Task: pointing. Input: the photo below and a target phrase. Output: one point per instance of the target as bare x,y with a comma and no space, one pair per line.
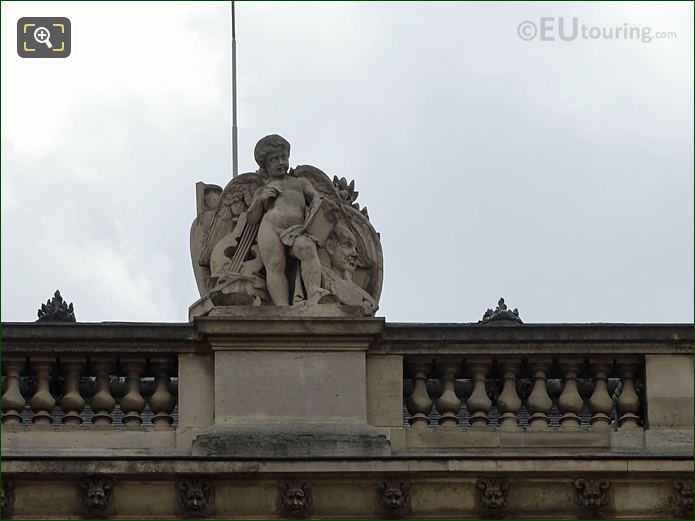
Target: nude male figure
282,207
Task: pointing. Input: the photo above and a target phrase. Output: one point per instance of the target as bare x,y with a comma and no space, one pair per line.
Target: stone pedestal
290,387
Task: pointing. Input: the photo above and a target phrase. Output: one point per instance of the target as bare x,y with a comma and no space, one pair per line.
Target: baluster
132,404
448,404
162,401
539,403
479,403
600,402
72,402
42,403
419,403
12,401
628,405
102,403
570,403
509,403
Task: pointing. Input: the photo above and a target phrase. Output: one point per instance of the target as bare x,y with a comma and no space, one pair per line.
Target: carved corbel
491,496
195,496
295,497
394,497
592,496
97,492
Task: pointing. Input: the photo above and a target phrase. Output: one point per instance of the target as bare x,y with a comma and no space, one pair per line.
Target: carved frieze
96,495
294,497
591,495
491,496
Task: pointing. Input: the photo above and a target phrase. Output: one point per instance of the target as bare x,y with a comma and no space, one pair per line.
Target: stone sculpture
195,496
56,310
394,495
96,495
491,496
295,497
592,496
290,239
501,316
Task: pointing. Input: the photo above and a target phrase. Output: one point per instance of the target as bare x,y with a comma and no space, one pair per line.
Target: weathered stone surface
292,440
281,237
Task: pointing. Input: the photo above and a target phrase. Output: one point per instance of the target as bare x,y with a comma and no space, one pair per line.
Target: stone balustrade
515,394
86,391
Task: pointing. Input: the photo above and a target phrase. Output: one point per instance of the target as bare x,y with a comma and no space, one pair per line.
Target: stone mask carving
682,501
491,495
7,497
592,495
394,497
295,497
282,237
96,494
195,496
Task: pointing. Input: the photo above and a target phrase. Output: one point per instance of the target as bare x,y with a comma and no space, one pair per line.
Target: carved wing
235,199
320,181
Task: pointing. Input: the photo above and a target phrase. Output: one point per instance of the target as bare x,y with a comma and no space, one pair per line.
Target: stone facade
346,417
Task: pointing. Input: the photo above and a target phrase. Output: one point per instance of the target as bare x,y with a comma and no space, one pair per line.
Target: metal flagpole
235,160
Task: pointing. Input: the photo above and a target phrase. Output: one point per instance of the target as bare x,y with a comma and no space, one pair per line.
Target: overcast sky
558,174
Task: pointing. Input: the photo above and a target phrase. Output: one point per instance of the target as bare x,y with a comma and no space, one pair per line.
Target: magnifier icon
43,35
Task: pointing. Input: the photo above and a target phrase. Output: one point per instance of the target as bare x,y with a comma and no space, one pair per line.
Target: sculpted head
295,497
96,494
342,247
492,495
395,497
211,197
272,153
592,493
195,496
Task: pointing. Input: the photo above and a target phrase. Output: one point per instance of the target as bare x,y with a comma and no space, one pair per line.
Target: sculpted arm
257,208
310,195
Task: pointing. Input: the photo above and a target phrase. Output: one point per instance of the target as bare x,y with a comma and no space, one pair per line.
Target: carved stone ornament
56,310
295,497
592,496
7,497
195,496
491,496
96,495
394,496
682,500
288,240
501,315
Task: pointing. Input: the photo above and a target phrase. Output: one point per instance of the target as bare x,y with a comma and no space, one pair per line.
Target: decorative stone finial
501,315
56,310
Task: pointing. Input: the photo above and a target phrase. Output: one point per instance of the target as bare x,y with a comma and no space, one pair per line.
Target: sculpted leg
273,256
304,249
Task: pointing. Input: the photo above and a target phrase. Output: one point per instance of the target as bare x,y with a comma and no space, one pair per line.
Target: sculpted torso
288,207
